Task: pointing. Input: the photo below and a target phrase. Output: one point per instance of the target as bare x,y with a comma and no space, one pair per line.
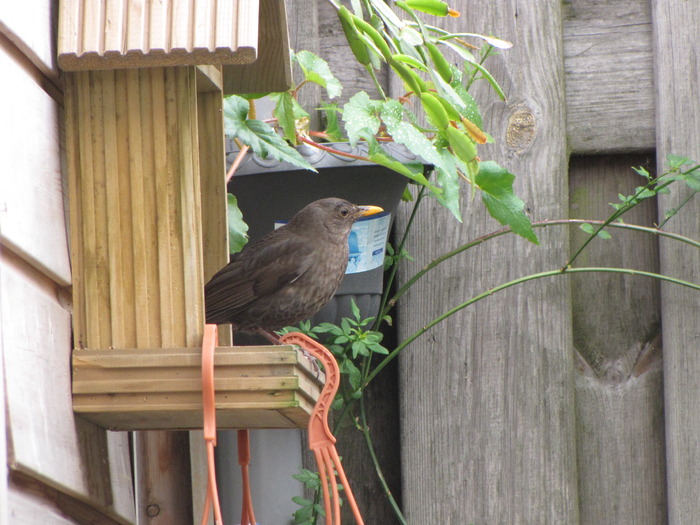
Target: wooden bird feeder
144,87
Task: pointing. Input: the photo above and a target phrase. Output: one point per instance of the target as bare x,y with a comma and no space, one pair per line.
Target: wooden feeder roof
248,37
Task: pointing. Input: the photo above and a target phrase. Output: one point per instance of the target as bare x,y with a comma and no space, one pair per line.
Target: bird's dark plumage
289,274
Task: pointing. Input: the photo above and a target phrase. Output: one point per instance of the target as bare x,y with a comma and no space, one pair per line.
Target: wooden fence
551,402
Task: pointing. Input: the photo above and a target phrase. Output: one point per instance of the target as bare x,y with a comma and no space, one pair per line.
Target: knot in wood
152,510
521,129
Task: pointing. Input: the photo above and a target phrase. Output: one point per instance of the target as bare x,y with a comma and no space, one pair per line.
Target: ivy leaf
496,184
237,228
316,70
261,138
360,117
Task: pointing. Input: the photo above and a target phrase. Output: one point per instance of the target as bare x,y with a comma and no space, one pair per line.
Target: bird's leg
272,337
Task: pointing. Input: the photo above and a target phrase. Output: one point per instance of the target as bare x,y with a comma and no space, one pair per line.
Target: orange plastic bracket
321,440
247,513
209,410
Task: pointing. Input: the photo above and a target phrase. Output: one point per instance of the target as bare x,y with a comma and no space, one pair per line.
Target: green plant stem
675,211
377,84
509,284
540,224
370,446
392,274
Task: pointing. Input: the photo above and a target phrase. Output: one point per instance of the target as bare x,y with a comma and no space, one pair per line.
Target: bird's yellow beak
369,210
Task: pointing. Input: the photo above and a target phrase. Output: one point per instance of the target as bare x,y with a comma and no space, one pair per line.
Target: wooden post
136,239
678,132
487,405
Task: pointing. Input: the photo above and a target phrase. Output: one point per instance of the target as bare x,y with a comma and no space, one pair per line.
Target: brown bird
289,274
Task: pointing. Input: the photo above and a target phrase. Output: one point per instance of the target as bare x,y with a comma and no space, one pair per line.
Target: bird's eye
344,212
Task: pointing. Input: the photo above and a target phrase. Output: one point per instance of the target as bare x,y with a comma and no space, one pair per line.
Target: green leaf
353,373
404,132
284,113
676,161
237,228
360,115
496,184
332,123
643,172
355,309
316,70
588,228
261,138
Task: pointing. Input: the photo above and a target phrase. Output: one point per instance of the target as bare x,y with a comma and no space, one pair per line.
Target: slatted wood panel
256,387
136,230
112,34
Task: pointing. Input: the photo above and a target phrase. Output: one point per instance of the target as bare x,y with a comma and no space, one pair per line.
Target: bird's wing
261,270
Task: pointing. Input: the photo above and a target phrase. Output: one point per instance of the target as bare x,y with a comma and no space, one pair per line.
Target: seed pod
410,77
474,131
442,66
413,62
435,111
376,37
432,7
452,113
358,47
461,145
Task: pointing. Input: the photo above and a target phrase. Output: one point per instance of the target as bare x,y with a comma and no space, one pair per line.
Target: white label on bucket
367,241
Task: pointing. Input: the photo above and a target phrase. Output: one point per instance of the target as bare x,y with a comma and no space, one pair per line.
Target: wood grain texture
677,69
487,404
159,388
76,457
272,70
32,217
333,47
616,321
609,70
114,34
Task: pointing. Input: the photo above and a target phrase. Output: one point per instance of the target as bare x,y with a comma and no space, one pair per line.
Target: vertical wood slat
677,70
135,181
117,33
495,442
619,392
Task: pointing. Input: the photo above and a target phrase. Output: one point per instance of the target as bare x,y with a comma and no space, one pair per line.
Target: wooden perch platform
161,388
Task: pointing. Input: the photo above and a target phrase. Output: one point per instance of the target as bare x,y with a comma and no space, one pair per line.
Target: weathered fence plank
32,219
609,75
487,404
677,70
46,441
616,322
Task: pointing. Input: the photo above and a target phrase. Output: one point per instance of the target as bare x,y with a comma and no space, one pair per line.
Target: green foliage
415,52
496,185
316,70
261,138
237,228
